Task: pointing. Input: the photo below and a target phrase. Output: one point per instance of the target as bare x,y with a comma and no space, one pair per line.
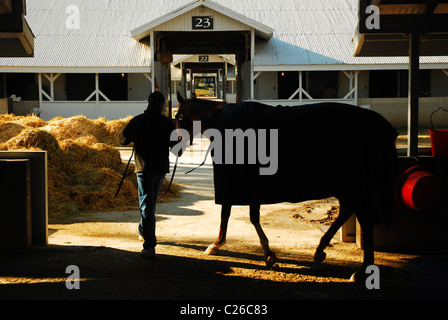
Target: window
383,83
114,86
288,83
424,83
323,84
23,85
394,83
79,86
318,84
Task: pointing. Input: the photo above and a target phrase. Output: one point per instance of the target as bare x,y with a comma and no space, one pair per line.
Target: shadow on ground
108,273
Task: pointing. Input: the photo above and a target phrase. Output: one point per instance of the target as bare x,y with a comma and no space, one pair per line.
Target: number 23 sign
202,22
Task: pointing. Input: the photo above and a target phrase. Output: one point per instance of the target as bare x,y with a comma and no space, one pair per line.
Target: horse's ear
180,98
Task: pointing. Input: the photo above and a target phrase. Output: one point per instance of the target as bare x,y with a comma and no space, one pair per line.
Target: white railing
110,110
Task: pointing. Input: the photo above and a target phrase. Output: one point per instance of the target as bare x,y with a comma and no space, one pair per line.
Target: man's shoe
148,253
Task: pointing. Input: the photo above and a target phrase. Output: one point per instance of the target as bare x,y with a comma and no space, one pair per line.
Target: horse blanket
325,149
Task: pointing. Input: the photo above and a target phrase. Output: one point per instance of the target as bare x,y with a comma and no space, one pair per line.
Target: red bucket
439,142
439,138
420,190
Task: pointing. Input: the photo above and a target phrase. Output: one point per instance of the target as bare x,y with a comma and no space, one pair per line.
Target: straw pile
84,167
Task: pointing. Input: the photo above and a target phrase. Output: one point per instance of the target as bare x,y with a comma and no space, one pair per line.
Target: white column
252,54
97,94
40,91
152,47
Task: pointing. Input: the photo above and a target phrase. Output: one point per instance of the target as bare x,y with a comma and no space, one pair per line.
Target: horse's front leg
269,256
225,214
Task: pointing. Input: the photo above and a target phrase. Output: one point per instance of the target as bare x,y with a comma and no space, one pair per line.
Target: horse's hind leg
270,257
369,259
344,213
225,214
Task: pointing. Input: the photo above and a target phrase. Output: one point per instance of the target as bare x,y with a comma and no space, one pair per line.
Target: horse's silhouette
323,150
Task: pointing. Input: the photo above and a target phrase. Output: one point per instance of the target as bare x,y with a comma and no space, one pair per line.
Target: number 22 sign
202,22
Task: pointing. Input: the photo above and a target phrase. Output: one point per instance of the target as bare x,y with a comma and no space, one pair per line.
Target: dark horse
322,150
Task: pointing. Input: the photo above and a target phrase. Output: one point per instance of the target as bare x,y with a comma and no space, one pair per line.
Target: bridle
179,122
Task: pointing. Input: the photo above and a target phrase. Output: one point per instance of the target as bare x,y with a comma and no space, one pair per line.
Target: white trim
103,95
49,69
48,96
90,97
345,67
147,76
144,30
257,68
111,110
352,91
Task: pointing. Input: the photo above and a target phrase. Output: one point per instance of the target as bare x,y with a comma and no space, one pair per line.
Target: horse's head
184,119
195,109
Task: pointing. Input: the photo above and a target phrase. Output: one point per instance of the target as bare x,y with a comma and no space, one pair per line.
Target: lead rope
127,167
124,173
206,154
172,176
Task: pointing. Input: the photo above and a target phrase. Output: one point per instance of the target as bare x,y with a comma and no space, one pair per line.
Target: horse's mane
201,105
203,102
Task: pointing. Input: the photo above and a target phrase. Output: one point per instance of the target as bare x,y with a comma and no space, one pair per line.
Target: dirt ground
105,248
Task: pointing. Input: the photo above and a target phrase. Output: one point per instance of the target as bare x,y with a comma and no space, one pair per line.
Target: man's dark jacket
150,132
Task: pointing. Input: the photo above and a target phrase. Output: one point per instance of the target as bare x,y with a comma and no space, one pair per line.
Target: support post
252,54
413,94
152,44
40,90
97,94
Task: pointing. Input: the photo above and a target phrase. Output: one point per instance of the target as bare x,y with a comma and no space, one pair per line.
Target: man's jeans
149,185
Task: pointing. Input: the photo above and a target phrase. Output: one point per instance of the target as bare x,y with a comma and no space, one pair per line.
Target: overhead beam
405,23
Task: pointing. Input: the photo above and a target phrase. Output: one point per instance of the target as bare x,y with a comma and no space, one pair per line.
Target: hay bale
115,127
94,154
32,121
71,128
33,139
7,117
84,168
100,130
9,130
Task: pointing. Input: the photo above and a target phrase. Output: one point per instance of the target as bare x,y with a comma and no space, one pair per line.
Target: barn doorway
203,29
212,65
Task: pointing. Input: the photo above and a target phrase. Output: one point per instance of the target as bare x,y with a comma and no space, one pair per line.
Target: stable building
102,58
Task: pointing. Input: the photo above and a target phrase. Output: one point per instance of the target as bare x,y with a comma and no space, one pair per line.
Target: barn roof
306,34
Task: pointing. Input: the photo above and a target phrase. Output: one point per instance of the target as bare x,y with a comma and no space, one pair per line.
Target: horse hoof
271,258
319,257
211,250
358,277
